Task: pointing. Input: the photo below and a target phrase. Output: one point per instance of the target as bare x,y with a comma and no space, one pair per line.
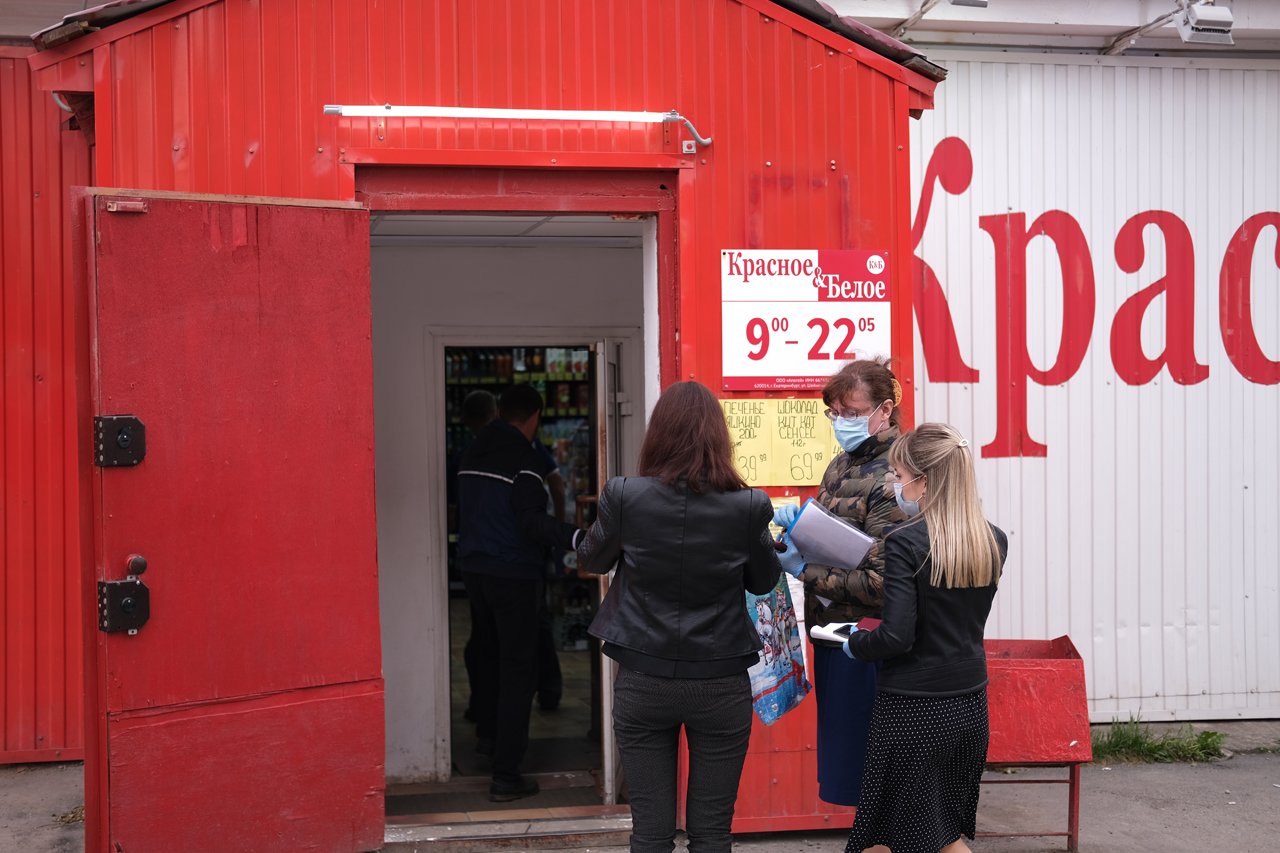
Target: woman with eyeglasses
928,741
862,403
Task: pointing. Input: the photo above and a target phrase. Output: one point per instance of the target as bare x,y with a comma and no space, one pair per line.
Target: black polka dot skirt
924,762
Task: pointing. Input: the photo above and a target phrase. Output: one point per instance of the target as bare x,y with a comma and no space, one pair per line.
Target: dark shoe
484,746
508,790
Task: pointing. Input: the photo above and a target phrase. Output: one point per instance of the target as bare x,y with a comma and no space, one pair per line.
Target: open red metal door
246,713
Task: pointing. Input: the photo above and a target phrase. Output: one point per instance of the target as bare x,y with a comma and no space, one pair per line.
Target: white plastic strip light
392,111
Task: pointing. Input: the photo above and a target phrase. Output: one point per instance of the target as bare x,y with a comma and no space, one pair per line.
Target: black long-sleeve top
930,638
503,525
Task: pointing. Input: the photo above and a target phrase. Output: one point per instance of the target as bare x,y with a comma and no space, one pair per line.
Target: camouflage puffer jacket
856,487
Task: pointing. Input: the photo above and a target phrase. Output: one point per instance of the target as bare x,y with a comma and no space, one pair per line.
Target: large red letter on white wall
1179,289
1013,363
1235,301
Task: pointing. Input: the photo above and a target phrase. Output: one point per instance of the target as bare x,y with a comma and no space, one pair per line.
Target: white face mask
909,508
852,432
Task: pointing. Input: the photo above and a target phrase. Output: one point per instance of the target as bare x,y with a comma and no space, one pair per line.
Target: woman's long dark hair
688,440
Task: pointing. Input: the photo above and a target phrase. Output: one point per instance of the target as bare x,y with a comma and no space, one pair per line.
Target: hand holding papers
823,538
838,632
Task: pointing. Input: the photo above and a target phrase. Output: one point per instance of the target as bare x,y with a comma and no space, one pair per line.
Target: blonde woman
928,740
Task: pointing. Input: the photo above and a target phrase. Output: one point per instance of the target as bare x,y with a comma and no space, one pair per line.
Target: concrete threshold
510,832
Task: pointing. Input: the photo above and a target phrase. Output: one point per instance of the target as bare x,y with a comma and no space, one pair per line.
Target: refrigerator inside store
565,377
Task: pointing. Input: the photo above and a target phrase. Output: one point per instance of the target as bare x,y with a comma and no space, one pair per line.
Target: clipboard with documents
824,538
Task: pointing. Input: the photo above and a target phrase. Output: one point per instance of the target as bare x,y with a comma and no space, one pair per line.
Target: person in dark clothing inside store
688,538
479,409
504,531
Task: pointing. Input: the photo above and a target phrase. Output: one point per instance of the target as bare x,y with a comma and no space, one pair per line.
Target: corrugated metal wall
1148,528
184,105
40,661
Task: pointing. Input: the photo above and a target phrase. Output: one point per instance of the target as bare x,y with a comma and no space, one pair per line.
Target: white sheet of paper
828,540
830,632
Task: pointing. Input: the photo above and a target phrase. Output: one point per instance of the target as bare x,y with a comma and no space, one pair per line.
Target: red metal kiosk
246,219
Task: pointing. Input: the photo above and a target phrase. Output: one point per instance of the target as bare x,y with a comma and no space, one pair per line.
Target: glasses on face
848,414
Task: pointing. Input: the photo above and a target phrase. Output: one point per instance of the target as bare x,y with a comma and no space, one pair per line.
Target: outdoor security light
1198,22
1204,24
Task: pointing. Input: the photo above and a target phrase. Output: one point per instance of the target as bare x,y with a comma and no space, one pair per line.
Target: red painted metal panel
779,787
276,791
239,333
41,713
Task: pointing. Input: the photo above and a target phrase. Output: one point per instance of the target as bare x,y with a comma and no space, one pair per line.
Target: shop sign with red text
791,316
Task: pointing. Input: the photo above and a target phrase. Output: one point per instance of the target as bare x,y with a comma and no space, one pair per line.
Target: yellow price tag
780,442
752,441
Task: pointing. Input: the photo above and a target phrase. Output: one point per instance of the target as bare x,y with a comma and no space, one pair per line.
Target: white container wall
1100,314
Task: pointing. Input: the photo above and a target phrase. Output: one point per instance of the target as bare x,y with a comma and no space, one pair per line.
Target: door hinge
123,605
119,441
622,402
118,205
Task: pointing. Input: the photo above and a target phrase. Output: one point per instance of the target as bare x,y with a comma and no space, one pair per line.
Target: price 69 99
821,335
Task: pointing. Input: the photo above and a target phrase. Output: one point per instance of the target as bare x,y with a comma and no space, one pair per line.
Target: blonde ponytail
963,549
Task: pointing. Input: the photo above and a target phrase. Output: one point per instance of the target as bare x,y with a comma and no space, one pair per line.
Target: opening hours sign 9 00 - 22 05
792,316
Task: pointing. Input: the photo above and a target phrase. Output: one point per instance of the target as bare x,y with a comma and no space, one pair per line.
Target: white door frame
636,367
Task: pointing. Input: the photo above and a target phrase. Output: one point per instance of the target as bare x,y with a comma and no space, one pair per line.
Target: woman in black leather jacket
688,537
928,740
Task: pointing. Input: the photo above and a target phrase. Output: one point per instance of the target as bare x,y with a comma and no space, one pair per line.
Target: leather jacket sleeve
897,631
763,568
600,549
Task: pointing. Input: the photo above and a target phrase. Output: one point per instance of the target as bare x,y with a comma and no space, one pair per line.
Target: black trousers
504,652
648,713
550,679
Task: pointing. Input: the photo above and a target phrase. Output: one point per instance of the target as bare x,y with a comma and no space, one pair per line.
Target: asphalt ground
1231,804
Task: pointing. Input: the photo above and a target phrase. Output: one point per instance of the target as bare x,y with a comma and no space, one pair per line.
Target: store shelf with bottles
563,375
519,377
490,366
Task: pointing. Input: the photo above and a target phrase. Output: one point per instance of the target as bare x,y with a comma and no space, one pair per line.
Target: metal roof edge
80,32
866,36
877,61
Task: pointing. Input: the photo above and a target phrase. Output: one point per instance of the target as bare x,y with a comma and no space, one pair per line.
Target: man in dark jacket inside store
503,534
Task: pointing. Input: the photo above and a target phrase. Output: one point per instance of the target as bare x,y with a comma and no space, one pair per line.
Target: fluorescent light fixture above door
393,111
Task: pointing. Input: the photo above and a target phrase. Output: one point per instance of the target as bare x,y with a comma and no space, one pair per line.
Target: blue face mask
851,432
909,508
